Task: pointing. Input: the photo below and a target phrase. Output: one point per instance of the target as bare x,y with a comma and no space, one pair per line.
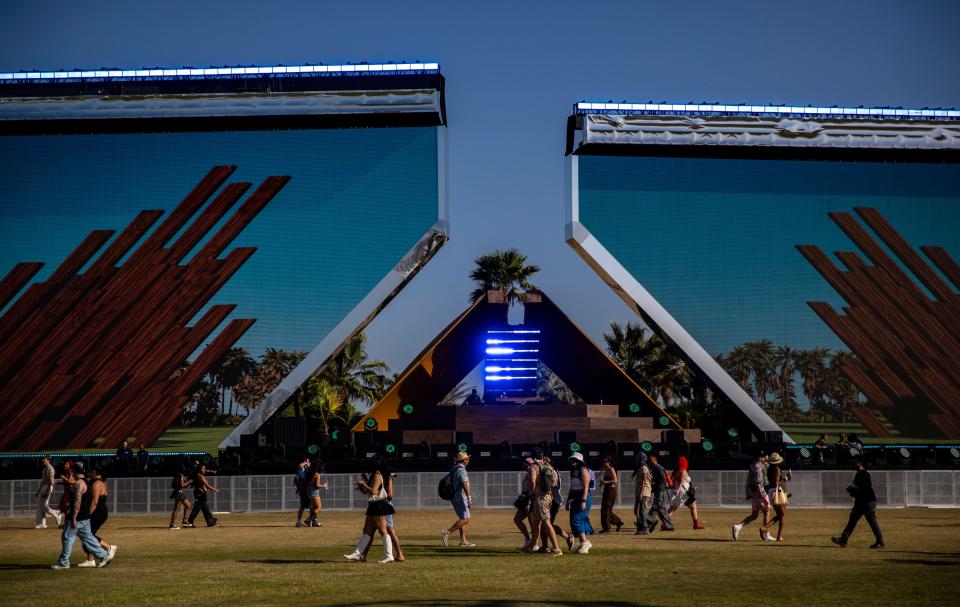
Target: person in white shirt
44,491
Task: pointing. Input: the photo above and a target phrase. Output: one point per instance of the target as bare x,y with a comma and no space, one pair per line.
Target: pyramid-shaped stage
623,411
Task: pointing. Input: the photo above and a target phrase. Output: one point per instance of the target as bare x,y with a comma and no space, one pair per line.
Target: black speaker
463,438
565,438
773,437
672,438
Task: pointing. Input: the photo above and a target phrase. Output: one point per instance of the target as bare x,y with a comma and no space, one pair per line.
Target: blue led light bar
187,72
514,331
586,107
506,351
508,377
513,341
495,369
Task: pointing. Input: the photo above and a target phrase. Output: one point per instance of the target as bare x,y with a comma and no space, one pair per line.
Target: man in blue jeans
78,525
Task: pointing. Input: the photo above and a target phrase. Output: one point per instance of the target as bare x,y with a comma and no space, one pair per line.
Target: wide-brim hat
462,456
776,458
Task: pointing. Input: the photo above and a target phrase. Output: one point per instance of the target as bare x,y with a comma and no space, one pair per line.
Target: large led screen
715,241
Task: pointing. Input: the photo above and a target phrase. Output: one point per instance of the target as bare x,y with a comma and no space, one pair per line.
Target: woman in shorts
179,485
391,527
683,492
378,509
314,485
778,480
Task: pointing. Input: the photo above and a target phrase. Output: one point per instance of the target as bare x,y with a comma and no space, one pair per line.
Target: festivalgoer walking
778,496
47,481
864,505
179,485
610,481
462,500
378,508
522,504
684,492
644,498
77,524
759,500
555,503
579,501
98,515
200,487
300,483
544,480
65,479
388,477
660,490
313,487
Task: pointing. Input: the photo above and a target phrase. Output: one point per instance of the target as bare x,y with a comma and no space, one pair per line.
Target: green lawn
192,439
262,559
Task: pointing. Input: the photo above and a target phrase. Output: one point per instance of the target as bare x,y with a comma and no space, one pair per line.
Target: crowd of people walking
659,495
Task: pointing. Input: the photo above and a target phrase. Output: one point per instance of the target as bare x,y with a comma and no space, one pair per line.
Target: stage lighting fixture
634,408
390,448
575,447
707,445
312,449
462,447
370,424
733,432
407,409
663,420
647,446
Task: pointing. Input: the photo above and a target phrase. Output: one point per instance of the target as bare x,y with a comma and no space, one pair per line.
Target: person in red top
683,492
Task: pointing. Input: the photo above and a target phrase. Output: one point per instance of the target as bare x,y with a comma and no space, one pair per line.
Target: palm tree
322,402
785,401
760,356
357,379
503,271
738,364
809,364
843,392
233,367
649,361
456,396
553,389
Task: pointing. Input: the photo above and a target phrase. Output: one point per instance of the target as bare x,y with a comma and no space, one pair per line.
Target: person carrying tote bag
778,496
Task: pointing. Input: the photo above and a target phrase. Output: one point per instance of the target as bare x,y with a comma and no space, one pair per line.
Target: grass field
261,559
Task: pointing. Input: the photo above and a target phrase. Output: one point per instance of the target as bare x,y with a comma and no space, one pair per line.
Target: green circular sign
370,423
574,446
733,433
335,434
408,408
646,446
462,447
312,449
664,420
634,408
707,445
391,448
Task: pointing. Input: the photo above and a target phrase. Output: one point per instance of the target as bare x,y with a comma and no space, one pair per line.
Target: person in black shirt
143,460
124,458
864,504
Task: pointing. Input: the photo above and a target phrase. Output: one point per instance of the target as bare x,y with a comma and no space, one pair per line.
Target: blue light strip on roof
585,107
242,71
92,455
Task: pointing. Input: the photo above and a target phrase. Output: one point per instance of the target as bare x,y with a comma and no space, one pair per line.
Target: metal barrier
715,488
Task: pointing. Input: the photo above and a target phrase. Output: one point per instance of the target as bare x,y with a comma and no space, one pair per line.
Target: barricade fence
714,488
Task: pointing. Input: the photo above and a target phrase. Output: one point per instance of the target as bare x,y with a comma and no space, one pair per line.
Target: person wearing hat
77,525
778,496
579,501
756,492
462,500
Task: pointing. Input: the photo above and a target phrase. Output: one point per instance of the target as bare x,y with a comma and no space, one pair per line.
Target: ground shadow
488,603
290,561
19,566
924,562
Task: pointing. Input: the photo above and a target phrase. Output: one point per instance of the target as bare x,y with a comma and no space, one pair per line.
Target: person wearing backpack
544,480
579,500
461,502
555,504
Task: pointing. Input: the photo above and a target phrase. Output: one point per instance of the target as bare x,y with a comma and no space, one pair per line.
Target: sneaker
697,525
445,537
386,559
299,524
528,549
467,545
767,537
60,518
59,566
110,554
736,531
213,523
878,546
569,542
584,547
839,541
173,526
353,556
187,525
556,553
87,564
42,525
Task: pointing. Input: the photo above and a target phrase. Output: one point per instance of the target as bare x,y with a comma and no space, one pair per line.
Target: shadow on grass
20,567
291,561
924,562
488,603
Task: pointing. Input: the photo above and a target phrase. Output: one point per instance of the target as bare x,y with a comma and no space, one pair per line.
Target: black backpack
445,487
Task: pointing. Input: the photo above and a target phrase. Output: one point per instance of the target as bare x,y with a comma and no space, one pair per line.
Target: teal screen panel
713,240
358,200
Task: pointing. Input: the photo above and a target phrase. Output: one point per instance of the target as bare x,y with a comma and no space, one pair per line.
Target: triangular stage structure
619,409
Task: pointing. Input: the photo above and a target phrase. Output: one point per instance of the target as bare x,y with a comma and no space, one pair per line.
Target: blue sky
513,71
